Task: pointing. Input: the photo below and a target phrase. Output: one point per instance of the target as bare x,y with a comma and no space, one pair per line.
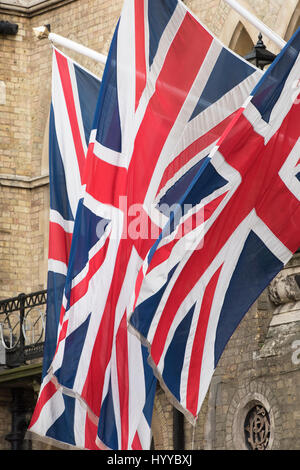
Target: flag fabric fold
199,283
168,92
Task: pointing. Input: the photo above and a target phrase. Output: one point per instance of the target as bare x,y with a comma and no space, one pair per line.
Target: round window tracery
257,428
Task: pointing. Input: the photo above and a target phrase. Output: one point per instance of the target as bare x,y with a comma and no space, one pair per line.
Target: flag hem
189,416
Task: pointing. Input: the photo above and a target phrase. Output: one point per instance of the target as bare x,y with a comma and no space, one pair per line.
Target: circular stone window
257,428
250,422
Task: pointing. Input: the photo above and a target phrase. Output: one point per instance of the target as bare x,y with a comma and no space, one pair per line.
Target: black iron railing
22,328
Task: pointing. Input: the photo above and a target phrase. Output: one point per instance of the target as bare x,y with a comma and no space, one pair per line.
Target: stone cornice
30,8
20,373
23,182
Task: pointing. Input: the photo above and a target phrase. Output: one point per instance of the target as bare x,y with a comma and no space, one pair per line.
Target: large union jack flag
200,284
60,417
168,92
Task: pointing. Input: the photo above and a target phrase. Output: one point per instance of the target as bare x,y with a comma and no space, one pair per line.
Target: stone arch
284,24
247,395
241,42
233,24
294,23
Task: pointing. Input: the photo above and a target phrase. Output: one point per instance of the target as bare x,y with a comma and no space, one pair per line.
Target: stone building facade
256,386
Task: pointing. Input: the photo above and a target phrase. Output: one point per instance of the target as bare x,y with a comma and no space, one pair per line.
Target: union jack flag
169,90
74,95
59,416
199,286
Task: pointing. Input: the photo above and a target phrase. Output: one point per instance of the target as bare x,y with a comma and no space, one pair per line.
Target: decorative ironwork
260,56
22,327
257,428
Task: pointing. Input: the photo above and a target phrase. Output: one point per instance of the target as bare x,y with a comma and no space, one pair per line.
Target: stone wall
25,78
5,418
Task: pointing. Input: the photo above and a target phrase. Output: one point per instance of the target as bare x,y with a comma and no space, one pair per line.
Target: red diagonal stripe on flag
123,379
48,391
191,151
198,344
140,57
63,68
59,243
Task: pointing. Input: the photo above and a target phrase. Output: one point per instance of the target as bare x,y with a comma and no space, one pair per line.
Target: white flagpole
264,29
42,32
